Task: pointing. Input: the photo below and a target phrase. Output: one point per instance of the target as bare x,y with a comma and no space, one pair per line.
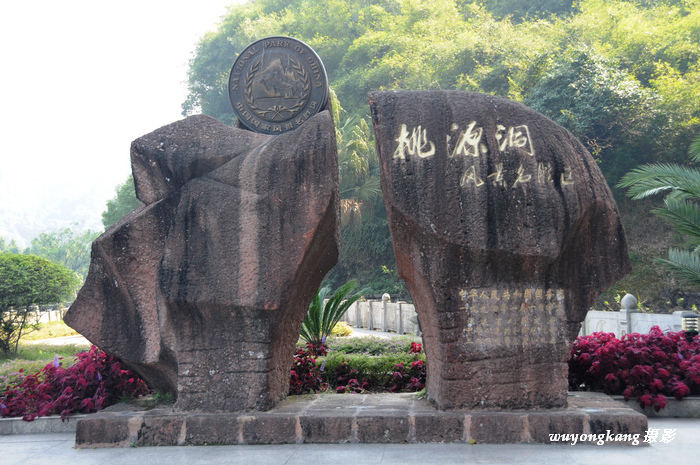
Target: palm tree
681,206
360,187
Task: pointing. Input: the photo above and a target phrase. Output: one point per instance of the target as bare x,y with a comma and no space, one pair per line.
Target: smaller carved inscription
504,317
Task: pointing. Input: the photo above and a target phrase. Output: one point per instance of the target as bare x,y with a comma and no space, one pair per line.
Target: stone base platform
354,418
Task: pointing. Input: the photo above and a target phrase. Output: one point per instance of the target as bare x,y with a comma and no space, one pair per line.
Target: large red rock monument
505,232
203,290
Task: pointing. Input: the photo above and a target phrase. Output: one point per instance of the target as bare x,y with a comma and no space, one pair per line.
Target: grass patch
50,330
31,358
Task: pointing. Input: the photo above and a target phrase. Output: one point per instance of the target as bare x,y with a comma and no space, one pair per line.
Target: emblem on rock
276,84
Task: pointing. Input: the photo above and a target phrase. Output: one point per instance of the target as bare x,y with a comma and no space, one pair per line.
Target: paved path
362,332
65,340
58,449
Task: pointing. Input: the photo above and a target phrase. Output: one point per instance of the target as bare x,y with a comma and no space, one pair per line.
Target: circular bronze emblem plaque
276,84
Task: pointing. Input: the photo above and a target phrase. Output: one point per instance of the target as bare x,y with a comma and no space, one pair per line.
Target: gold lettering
544,173
414,143
494,294
522,177
567,176
498,180
470,175
469,142
518,136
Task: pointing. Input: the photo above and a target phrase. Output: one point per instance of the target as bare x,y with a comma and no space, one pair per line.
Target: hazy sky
80,80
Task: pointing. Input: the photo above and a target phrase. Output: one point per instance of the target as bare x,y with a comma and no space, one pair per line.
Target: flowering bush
347,380
93,382
306,375
647,367
409,378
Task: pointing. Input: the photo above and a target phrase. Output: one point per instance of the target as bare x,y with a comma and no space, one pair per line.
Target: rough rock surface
203,290
505,232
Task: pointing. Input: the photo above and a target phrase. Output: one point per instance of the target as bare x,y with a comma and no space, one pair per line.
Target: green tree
602,104
624,76
124,203
10,247
67,247
27,281
681,184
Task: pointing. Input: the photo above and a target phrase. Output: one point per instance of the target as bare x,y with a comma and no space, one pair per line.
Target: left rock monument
202,291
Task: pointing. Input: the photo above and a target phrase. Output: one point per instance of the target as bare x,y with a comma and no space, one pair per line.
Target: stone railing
624,322
630,320
383,315
400,317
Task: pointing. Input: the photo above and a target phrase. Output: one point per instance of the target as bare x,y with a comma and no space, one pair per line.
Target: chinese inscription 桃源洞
469,144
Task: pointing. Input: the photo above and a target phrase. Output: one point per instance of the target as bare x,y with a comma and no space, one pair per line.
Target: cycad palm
682,206
323,316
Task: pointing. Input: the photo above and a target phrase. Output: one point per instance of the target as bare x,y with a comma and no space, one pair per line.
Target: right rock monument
505,232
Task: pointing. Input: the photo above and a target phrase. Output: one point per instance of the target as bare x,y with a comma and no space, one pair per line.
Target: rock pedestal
203,290
505,232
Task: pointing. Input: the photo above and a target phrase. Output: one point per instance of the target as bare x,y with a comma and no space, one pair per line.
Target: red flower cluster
93,382
409,379
347,381
647,367
305,374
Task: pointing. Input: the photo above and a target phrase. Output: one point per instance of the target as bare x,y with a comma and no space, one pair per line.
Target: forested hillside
623,76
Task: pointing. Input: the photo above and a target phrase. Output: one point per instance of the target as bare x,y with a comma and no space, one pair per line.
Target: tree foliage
122,204
67,247
10,247
26,281
622,75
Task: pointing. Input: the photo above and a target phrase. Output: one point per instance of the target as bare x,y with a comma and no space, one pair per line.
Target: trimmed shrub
371,345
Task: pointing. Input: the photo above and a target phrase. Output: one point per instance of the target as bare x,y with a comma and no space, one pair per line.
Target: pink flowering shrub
647,367
93,382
